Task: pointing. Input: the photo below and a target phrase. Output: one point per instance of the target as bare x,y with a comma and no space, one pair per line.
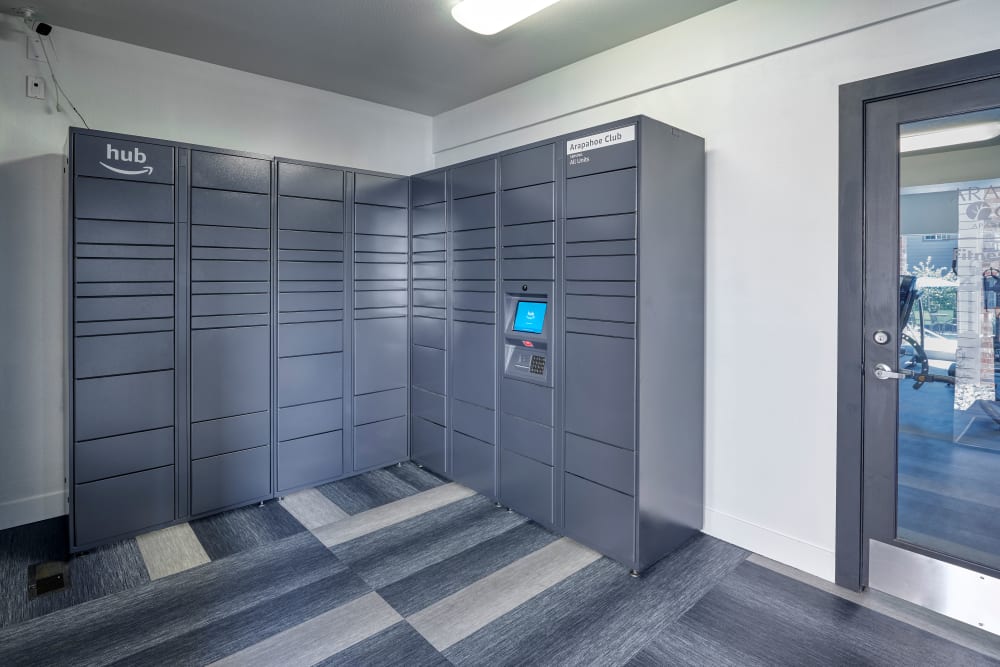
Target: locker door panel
230,372
379,354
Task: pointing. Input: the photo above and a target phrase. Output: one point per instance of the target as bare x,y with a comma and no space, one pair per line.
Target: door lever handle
885,372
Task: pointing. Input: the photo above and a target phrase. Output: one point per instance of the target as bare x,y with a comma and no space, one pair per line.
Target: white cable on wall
58,87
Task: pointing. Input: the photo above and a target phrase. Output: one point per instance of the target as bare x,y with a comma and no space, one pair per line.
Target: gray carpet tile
375,488
117,626
759,617
320,637
600,615
102,571
419,478
246,528
398,645
385,516
171,550
471,609
434,582
312,509
253,624
398,551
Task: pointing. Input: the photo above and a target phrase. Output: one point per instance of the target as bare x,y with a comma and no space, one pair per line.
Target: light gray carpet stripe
438,581
600,615
459,615
171,550
396,552
312,508
399,645
321,637
387,515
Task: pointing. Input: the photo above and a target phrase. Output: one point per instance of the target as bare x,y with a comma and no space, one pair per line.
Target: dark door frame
854,97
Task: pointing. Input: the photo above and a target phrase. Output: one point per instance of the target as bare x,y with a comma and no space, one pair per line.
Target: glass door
932,355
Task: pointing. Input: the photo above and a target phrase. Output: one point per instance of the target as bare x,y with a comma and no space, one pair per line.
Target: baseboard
777,546
29,510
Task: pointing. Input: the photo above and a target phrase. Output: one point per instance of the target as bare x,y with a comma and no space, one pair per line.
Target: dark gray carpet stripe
419,478
357,494
109,569
759,617
600,615
246,528
248,627
399,645
398,551
436,582
117,626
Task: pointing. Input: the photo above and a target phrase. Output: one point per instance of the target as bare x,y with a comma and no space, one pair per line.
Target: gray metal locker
472,335
528,236
429,380
380,317
231,313
633,288
123,368
598,342
231,332
312,243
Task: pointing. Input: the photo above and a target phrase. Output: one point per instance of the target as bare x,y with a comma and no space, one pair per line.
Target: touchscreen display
530,316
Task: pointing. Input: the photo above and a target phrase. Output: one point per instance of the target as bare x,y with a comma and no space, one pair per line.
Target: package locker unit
529,324
312,241
600,419
454,392
381,320
211,317
429,342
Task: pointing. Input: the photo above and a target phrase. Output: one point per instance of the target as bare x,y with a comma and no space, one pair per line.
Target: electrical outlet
35,51
36,87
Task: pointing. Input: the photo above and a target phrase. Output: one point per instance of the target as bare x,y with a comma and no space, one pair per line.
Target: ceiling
405,53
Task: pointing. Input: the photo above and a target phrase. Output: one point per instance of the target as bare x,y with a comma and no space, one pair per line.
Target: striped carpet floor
398,567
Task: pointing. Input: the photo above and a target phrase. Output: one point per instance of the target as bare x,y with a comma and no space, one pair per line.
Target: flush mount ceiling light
488,17
952,136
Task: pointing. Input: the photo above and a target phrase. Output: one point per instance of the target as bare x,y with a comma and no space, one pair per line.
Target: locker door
380,309
230,401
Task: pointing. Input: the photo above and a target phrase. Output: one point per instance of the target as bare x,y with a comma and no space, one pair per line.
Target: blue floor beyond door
949,493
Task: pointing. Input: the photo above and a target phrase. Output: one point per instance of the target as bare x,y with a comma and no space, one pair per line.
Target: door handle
885,372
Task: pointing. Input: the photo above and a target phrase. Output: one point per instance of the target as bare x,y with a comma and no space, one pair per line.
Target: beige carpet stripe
312,509
171,550
321,637
462,613
365,523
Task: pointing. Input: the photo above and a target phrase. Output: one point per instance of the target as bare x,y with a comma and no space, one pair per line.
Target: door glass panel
948,494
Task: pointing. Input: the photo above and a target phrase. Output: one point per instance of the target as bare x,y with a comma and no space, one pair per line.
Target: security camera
28,14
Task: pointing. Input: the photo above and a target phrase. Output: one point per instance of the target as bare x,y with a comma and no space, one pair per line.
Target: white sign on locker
618,135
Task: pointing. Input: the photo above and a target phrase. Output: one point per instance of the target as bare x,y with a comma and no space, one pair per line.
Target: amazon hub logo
134,156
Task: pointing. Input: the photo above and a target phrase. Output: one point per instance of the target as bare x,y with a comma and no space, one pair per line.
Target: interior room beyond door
932,346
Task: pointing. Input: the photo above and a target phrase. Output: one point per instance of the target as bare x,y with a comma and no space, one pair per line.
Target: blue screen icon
530,316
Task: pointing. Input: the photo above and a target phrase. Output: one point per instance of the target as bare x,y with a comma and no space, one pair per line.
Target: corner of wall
801,555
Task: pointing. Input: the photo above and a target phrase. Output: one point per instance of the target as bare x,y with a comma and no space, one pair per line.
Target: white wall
759,80
124,88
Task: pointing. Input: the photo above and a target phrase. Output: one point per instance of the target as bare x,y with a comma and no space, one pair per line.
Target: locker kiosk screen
530,317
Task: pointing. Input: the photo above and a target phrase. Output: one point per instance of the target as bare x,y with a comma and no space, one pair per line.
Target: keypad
537,364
